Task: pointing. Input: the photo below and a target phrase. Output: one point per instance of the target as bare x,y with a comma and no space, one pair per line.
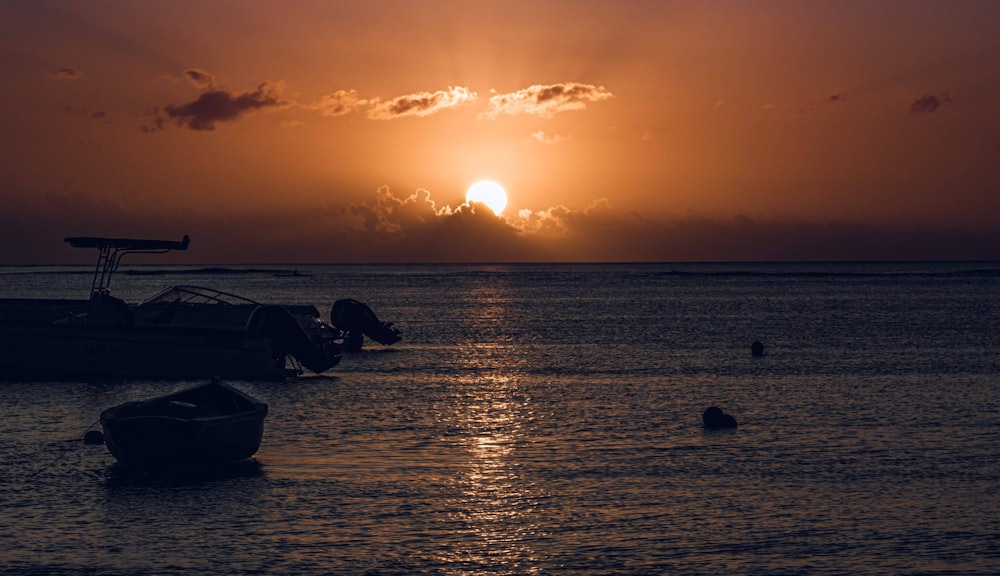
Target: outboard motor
278,324
357,320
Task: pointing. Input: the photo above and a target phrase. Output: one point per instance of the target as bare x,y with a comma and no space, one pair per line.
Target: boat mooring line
65,450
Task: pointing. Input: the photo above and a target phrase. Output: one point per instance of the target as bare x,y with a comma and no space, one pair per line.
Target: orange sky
634,130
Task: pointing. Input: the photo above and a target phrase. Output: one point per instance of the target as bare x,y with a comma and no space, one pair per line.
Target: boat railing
198,295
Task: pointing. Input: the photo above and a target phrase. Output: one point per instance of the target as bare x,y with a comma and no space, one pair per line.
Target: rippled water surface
547,420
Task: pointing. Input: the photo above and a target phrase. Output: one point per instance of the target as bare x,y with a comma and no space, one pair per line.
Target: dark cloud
199,78
413,228
66,73
815,106
421,103
547,100
928,103
389,214
219,106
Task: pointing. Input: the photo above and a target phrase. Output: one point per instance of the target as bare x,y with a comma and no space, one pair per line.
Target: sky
628,130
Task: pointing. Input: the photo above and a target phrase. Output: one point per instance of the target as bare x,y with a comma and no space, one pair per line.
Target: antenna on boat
111,250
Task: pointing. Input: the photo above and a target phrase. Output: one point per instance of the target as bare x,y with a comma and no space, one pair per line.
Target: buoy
714,417
757,348
93,437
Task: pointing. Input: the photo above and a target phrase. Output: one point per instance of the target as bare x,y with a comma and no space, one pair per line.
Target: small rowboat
207,425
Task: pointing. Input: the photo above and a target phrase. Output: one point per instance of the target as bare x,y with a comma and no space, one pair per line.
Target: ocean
546,419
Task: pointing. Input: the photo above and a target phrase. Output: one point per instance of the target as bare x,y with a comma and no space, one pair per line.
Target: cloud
928,104
219,106
541,136
414,228
421,103
338,103
391,215
199,78
547,100
834,99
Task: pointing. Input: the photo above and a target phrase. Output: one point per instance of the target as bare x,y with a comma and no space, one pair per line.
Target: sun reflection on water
495,502
493,512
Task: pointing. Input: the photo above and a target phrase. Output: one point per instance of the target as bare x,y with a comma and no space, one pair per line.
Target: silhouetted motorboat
183,332
207,425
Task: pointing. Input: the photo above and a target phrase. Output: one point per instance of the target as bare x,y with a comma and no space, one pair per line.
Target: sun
488,192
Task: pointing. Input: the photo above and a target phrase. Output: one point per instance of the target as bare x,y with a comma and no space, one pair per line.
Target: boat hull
80,350
218,426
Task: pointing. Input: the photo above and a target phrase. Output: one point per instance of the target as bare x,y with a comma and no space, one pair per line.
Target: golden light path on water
492,411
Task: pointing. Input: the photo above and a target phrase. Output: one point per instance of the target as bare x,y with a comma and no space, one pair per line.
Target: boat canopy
111,250
127,243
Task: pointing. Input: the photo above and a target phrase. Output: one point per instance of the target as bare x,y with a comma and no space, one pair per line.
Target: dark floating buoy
757,348
93,437
715,418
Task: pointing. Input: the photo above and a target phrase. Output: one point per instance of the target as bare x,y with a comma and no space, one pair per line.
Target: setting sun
488,192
